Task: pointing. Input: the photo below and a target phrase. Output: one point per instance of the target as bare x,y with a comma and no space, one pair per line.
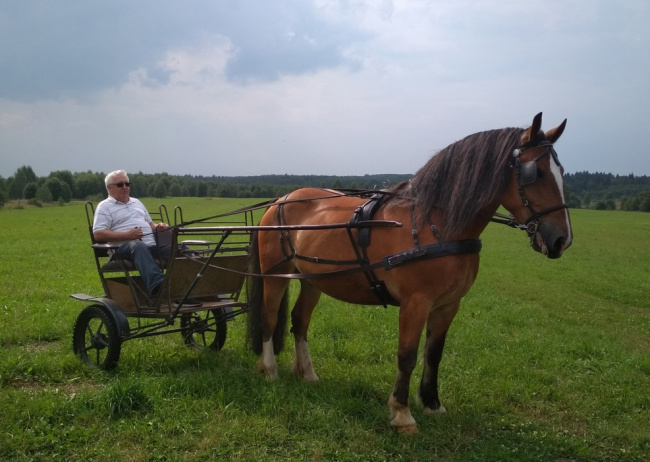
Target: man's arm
158,227
106,235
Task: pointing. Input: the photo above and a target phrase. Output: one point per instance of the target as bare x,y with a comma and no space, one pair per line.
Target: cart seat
117,265
106,250
114,264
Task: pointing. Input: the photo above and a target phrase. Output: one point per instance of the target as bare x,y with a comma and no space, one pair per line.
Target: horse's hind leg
274,292
437,326
300,317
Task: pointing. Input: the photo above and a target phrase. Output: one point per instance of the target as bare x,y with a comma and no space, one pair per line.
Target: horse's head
535,193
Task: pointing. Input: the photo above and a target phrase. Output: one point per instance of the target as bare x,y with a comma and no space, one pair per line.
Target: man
125,220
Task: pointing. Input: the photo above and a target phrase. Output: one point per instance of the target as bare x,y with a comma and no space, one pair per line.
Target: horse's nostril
556,250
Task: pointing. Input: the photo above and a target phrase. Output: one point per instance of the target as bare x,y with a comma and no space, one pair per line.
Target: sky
332,87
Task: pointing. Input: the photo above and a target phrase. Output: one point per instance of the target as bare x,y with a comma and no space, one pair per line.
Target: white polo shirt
118,216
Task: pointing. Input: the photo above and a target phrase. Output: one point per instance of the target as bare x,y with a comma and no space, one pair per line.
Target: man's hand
135,233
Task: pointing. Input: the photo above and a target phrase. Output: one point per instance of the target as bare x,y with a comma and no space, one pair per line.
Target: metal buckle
531,227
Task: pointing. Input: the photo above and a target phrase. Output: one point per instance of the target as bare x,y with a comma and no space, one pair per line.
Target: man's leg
161,252
143,258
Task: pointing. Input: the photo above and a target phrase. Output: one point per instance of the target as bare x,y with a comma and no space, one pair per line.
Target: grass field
546,361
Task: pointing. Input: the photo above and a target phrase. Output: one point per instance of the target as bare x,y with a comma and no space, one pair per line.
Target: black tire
205,329
95,339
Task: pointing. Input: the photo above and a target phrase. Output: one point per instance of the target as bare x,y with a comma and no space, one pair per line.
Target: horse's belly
351,289
440,280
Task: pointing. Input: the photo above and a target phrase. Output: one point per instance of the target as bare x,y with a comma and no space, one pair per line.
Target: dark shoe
189,303
156,291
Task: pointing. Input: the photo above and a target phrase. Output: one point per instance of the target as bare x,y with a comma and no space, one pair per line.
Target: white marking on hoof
402,420
303,366
267,363
429,411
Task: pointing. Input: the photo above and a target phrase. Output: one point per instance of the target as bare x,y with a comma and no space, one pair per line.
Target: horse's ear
554,133
533,130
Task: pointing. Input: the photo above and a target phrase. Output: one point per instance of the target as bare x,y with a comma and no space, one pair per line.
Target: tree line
605,191
583,189
63,186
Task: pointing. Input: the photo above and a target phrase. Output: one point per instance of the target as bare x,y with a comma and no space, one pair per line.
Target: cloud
338,87
75,48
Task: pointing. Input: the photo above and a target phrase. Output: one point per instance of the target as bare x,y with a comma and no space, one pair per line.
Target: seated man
125,220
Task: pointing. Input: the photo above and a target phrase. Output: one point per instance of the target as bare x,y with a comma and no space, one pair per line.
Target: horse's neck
472,231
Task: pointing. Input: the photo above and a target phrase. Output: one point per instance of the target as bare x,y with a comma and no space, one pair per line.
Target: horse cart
415,245
199,295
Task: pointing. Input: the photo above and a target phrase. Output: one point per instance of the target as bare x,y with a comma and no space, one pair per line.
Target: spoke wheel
205,329
95,339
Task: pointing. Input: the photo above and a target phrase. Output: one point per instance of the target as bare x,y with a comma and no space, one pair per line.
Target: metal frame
209,267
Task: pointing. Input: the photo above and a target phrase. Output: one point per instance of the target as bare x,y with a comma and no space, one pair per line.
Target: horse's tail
256,314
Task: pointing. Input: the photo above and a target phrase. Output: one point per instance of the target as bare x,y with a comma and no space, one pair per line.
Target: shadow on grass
348,405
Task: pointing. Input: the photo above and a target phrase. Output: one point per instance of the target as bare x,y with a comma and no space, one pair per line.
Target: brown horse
425,266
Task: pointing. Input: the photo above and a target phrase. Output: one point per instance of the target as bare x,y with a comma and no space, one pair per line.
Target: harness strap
363,214
538,215
388,262
532,222
441,249
284,237
508,220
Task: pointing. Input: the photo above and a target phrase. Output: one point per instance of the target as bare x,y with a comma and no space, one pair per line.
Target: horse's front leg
412,318
437,326
300,318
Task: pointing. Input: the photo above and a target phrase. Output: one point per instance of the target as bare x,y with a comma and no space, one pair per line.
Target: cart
207,266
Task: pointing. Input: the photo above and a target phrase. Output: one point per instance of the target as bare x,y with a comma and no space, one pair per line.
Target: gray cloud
297,86
72,48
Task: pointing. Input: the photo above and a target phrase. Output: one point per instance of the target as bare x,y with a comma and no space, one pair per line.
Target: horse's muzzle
550,240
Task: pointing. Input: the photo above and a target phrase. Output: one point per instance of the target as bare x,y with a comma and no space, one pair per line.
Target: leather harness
363,215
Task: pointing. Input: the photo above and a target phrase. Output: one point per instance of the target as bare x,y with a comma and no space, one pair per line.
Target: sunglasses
120,184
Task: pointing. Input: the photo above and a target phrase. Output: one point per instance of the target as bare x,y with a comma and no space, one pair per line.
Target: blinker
527,173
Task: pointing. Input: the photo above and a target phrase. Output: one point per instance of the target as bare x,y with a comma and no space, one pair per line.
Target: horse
420,249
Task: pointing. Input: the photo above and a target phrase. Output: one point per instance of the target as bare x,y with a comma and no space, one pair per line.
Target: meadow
547,360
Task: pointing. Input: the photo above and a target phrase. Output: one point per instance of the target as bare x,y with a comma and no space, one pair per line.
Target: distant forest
603,191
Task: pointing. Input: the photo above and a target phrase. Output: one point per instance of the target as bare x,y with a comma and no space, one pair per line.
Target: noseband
527,174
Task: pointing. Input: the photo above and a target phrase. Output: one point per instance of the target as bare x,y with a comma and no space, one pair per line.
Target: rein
526,174
388,262
279,201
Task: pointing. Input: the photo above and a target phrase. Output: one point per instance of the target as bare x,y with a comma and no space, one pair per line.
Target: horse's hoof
439,410
407,429
310,378
270,374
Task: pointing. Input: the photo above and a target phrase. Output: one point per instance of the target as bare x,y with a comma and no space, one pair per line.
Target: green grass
547,360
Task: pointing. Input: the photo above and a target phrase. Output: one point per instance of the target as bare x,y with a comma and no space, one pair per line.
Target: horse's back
309,206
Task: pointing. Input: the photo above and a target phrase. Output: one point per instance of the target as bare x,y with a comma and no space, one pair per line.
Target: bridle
527,174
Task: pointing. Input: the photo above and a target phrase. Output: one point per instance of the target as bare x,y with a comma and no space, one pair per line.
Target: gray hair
109,178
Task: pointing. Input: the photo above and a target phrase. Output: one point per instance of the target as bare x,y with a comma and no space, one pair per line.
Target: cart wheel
95,339
205,329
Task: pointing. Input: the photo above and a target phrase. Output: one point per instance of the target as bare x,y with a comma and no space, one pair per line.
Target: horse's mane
462,179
